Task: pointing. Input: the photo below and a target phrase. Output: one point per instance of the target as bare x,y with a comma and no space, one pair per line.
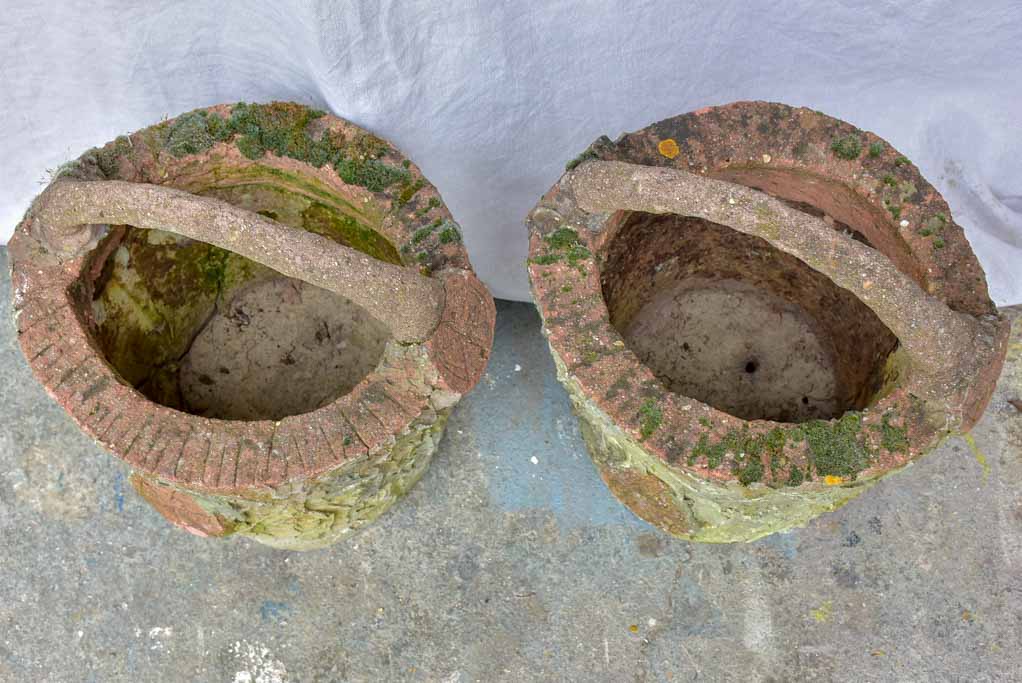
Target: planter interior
209,332
730,320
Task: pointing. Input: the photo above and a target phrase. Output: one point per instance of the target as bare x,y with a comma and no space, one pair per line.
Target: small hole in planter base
727,319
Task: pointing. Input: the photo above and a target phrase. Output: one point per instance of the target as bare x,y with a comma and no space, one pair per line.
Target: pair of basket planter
268,313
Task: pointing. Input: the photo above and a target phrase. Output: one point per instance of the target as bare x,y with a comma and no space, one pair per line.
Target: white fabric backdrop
491,98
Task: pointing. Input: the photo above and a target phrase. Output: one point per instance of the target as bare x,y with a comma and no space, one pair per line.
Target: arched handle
408,303
938,341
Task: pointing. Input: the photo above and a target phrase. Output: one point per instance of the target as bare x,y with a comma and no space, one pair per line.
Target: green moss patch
564,244
583,157
934,225
283,128
746,449
422,234
650,418
108,157
191,134
894,439
837,448
374,175
449,234
848,147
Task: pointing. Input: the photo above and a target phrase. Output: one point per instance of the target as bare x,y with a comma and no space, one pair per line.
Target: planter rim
758,137
231,456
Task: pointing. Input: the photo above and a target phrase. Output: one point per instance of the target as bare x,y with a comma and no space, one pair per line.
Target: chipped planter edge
308,479
643,437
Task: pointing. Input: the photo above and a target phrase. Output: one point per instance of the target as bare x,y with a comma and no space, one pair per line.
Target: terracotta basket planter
758,311
265,310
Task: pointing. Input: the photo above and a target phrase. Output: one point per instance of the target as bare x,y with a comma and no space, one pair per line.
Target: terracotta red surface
749,143
221,456
460,346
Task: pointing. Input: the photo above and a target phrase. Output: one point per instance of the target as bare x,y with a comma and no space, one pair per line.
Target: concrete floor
509,561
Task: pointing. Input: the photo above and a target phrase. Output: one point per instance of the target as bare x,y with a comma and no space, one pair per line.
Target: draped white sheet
491,98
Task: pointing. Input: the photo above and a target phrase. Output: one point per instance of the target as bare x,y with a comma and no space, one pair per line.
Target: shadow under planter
265,310
758,311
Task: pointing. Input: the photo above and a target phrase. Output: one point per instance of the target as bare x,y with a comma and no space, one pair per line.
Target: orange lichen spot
832,480
669,148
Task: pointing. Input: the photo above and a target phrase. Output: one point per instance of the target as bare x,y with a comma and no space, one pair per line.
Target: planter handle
936,339
408,303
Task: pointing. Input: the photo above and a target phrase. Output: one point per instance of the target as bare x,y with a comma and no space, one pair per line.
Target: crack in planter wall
758,311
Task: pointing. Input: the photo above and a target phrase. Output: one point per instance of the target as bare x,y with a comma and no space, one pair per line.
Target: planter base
687,506
318,512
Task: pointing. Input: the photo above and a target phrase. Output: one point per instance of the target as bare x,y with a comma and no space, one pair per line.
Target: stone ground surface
509,561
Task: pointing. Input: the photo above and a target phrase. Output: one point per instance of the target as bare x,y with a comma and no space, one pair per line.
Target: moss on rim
584,156
284,129
650,416
848,147
563,243
837,447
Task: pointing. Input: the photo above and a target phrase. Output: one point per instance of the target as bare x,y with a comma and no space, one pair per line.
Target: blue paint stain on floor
119,492
272,611
785,542
514,420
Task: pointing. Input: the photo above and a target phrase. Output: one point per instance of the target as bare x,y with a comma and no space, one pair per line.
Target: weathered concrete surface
496,568
408,303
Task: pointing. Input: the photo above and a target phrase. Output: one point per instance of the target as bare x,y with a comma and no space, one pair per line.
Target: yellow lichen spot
634,628
832,480
669,148
823,612
978,454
